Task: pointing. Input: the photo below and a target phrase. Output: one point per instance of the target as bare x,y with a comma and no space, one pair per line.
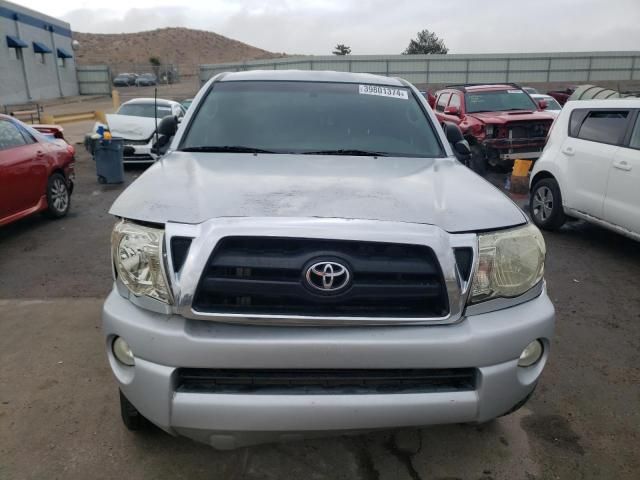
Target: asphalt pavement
59,414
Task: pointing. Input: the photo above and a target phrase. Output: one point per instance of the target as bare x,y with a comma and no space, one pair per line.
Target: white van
590,167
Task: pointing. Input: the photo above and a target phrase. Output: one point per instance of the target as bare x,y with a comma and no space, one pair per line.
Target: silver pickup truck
310,258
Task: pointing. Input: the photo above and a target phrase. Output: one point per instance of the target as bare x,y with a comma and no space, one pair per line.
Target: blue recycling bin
108,157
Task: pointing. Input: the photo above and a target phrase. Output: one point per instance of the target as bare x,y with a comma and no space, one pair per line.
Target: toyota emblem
328,277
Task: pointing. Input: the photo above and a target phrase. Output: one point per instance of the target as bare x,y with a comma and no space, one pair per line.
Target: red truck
36,170
501,122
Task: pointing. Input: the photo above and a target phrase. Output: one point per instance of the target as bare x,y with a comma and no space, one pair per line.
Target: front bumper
490,342
137,153
514,148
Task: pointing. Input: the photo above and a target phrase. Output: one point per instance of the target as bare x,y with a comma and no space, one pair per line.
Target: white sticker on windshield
384,91
515,91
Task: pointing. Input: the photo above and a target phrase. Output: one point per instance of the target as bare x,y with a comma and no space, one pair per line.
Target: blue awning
15,42
62,53
41,48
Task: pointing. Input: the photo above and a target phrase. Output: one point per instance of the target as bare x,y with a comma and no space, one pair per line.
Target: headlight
510,263
137,256
489,130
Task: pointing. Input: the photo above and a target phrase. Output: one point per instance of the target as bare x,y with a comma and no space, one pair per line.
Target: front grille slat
324,381
265,275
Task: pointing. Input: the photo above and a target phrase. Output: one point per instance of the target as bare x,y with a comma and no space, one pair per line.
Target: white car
590,167
553,107
135,122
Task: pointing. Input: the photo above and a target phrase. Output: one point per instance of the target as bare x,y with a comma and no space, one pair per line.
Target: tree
342,49
427,42
155,65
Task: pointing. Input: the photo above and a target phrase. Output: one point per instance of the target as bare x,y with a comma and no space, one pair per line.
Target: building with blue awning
37,61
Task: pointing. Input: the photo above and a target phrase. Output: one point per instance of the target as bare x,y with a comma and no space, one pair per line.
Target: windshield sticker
384,91
515,91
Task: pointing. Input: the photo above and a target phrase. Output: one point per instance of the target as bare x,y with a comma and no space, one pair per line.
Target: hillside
182,46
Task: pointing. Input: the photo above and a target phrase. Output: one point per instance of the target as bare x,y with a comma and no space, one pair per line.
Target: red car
36,171
501,122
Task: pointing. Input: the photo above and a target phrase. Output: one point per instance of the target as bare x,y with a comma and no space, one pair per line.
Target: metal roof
310,76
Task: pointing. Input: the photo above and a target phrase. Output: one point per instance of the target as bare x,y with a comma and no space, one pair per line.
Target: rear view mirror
543,104
168,126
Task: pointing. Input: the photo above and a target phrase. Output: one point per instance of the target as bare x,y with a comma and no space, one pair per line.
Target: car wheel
58,196
131,417
478,162
545,204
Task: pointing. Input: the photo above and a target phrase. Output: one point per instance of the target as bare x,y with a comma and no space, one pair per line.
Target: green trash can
108,158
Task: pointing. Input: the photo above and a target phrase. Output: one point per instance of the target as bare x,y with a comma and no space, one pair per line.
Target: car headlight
137,256
510,262
489,130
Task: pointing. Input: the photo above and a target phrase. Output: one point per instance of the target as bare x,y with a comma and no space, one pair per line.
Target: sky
372,26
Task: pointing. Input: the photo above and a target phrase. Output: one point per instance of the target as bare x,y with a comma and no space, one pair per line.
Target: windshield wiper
347,152
225,148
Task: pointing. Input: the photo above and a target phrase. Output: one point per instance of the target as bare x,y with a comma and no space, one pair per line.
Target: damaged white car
135,122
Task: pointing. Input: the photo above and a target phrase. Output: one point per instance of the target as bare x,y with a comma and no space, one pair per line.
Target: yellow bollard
520,176
115,98
101,117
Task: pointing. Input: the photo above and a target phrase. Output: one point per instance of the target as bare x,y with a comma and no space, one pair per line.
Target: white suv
590,167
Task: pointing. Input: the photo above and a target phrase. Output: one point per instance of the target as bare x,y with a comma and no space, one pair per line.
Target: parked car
310,256
186,103
135,122
36,172
146,80
562,96
590,168
500,121
531,91
547,103
124,80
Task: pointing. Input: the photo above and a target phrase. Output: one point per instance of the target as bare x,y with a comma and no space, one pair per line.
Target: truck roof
310,76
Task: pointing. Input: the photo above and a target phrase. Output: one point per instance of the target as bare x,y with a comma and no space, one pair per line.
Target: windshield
499,101
312,117
552,104
143,110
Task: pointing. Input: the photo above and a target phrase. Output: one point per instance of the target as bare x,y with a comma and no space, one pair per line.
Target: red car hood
511,116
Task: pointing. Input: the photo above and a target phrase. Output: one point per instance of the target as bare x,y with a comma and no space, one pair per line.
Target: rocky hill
182,46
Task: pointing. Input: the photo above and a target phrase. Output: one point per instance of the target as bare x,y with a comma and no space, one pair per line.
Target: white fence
479,68
94,79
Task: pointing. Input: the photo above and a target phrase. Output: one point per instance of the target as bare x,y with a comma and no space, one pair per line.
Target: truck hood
512,116
195,187
130,127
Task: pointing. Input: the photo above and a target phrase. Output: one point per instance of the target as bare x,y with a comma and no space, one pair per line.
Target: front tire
58,196
545,205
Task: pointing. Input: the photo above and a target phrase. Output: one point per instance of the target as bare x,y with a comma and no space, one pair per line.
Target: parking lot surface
59,413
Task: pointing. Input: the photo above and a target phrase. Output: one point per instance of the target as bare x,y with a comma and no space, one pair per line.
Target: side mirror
166,130
168,126
452,111
543,104
454,136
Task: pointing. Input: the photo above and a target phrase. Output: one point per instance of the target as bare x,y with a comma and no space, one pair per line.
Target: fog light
531,354
122,351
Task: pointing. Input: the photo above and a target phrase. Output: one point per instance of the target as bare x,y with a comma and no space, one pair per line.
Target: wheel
477,162
58,196
131,417
545,204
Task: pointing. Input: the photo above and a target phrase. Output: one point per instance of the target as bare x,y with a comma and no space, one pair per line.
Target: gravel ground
58,402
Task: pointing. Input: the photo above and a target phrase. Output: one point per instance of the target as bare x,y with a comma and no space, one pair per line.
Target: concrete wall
27,79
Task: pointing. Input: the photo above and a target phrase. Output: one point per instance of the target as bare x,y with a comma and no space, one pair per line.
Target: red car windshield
499,101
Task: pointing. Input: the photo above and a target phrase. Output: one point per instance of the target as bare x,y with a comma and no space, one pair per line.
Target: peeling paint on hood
195,187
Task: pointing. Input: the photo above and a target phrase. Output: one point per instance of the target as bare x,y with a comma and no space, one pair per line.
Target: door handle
622,165
569,151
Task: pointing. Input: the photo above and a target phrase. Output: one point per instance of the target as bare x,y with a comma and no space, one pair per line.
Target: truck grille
529,129
324,381
267,275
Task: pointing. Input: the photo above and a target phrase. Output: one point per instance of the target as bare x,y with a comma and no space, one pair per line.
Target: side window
443,99
603,126
634,142
10,136
455,101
